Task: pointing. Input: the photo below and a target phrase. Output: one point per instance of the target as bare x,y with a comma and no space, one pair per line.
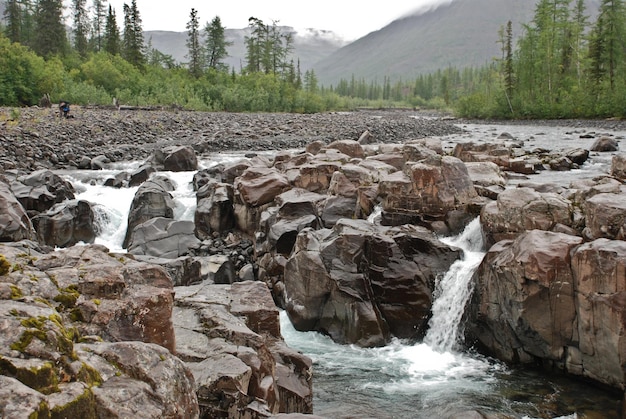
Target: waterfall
454,289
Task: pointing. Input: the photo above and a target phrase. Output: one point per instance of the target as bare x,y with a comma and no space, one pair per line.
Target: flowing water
437,378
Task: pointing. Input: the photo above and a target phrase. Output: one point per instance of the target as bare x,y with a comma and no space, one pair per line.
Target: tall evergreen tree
81,26
606,50
254,44
112,39
13,19
49,34
98,24
194,48
132,43
215,44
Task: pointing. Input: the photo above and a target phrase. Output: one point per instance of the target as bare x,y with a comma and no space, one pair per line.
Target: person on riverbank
64,109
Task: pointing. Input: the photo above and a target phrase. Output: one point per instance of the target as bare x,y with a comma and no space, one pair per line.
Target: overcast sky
351,19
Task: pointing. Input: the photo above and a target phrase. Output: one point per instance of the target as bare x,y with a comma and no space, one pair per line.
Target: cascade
454,289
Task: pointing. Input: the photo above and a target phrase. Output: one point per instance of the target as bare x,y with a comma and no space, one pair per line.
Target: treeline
98,62
562,65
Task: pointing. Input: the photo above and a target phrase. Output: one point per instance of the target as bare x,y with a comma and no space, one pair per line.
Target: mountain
309,45
462,33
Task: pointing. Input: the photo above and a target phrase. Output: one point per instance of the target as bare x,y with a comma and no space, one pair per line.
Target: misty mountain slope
460,34
309,45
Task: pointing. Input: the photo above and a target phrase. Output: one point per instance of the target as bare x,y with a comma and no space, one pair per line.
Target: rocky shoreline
198,300
38,139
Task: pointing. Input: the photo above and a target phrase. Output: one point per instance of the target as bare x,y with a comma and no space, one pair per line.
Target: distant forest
562,66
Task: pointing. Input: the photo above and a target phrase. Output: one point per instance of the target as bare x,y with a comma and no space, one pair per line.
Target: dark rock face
163,238
66,224
14,222
40,190
153,199
361,283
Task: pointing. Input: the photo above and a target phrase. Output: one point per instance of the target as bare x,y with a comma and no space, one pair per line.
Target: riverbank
35,138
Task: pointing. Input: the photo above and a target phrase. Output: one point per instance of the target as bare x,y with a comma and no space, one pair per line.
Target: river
439,377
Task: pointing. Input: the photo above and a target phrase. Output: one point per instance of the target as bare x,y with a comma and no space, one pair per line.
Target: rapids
439,377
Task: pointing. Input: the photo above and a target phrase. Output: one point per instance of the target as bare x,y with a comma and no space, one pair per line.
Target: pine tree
132,45
13,19
195,55
81,26
49,34
112,39
254,44
98,24
215,44
606,50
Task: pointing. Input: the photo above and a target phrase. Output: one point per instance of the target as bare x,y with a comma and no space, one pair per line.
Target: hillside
310,45
460,34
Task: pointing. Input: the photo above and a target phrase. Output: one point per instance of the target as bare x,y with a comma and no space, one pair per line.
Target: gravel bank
39,139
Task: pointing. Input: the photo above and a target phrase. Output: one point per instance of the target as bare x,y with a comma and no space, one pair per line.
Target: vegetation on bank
562,66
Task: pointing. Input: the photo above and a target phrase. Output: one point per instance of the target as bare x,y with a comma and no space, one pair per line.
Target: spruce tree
132,43
81,26
194,54
608,41
112,39
49,34
13,19
216,44
98,24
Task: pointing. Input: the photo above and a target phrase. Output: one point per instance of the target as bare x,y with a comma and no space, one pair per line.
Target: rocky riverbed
35,138
83,327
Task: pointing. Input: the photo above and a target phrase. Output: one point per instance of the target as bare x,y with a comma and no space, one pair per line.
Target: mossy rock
5,266
82,406
36,374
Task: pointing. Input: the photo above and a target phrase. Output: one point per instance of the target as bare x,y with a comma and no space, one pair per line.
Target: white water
432,370
454,290
427,380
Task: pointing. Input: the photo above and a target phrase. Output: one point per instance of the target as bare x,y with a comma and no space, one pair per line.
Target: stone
605,216
15,225
66,224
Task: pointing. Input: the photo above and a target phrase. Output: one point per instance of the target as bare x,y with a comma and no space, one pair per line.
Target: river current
437,378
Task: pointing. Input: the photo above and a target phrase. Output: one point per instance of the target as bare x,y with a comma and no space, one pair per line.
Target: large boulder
40,190
152,199
549,298
175,159
163,238
229,336
66,224
605,216
524,307
361,283
599,270
430,190
14,222
214,210
518,210
605,144
618,167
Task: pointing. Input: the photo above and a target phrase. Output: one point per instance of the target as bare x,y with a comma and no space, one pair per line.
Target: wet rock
605,216
40,190
347,282
152,199
605,144
618,167
163,238
15,225
66,224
